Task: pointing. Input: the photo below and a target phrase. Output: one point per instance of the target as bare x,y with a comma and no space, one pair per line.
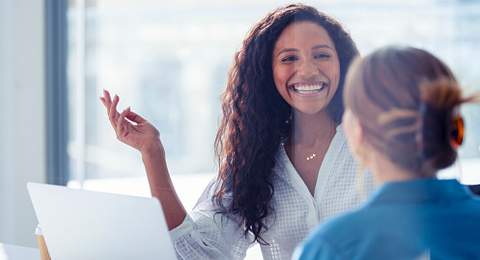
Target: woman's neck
309,129
384,170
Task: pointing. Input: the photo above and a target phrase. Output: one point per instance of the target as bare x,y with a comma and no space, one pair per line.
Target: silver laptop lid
81,224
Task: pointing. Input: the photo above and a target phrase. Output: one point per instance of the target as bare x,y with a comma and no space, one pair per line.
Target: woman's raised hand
131,128
138,133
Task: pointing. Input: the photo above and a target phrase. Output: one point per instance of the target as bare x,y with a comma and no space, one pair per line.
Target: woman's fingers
134,117
108,100
122,124
112,111
111,106
120,121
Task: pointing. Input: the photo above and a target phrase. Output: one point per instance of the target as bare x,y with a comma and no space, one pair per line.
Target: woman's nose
307,69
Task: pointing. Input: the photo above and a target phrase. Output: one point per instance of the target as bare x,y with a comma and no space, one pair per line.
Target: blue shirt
420,219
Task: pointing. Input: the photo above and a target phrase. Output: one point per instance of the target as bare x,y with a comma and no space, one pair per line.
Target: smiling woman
282,101
306,73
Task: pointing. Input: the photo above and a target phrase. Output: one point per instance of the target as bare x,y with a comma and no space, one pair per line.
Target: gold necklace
314,154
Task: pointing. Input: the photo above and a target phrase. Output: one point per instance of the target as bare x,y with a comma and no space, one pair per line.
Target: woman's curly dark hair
255,115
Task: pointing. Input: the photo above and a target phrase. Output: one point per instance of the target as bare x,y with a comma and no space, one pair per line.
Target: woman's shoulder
342,227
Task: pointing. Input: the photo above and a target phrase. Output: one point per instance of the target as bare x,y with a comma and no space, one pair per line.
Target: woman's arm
138,133
161,185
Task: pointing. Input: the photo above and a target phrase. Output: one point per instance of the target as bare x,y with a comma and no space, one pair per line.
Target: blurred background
168,61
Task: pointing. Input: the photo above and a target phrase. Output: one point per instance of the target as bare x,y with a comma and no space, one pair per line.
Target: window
168,60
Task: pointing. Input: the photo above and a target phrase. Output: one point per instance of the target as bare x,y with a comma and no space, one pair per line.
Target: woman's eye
290,58
322,55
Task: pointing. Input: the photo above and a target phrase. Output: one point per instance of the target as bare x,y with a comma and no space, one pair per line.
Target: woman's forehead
303,34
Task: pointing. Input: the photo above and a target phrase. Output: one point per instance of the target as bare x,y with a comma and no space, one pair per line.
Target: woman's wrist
154,159
154,148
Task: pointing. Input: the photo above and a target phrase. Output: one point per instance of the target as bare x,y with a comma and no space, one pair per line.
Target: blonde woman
402,122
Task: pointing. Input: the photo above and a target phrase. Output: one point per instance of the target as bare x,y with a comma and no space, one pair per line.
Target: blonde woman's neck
384,170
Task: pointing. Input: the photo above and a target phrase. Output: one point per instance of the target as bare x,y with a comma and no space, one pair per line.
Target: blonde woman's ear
354,132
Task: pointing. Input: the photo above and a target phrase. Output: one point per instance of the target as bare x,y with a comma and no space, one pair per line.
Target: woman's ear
354,133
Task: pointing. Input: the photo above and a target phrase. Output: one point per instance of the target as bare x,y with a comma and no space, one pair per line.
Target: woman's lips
308,89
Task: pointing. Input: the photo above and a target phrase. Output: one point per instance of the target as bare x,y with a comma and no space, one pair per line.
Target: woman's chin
310,110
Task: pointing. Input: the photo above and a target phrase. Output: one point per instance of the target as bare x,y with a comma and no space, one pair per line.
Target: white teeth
303,88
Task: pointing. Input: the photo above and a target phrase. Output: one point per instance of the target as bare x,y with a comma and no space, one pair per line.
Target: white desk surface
12,252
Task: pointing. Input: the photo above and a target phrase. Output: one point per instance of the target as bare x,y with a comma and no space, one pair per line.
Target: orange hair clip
457,132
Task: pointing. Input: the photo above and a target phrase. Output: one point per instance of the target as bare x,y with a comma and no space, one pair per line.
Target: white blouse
207,235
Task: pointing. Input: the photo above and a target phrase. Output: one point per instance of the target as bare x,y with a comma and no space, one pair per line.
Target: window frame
56,91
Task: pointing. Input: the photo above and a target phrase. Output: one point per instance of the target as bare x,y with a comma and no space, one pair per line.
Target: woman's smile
308,89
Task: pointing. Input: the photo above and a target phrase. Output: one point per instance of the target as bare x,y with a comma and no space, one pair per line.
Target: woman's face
306,70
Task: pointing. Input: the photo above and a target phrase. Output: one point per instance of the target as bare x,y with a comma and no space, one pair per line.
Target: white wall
22,120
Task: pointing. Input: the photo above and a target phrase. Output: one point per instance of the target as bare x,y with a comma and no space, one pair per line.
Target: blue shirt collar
418,191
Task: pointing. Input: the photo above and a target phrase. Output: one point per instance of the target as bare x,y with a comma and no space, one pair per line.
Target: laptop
81,224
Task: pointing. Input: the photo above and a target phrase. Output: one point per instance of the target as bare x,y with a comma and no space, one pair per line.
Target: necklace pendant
311,157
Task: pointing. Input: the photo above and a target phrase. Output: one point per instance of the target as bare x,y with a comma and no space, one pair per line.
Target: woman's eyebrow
286,50
322,46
